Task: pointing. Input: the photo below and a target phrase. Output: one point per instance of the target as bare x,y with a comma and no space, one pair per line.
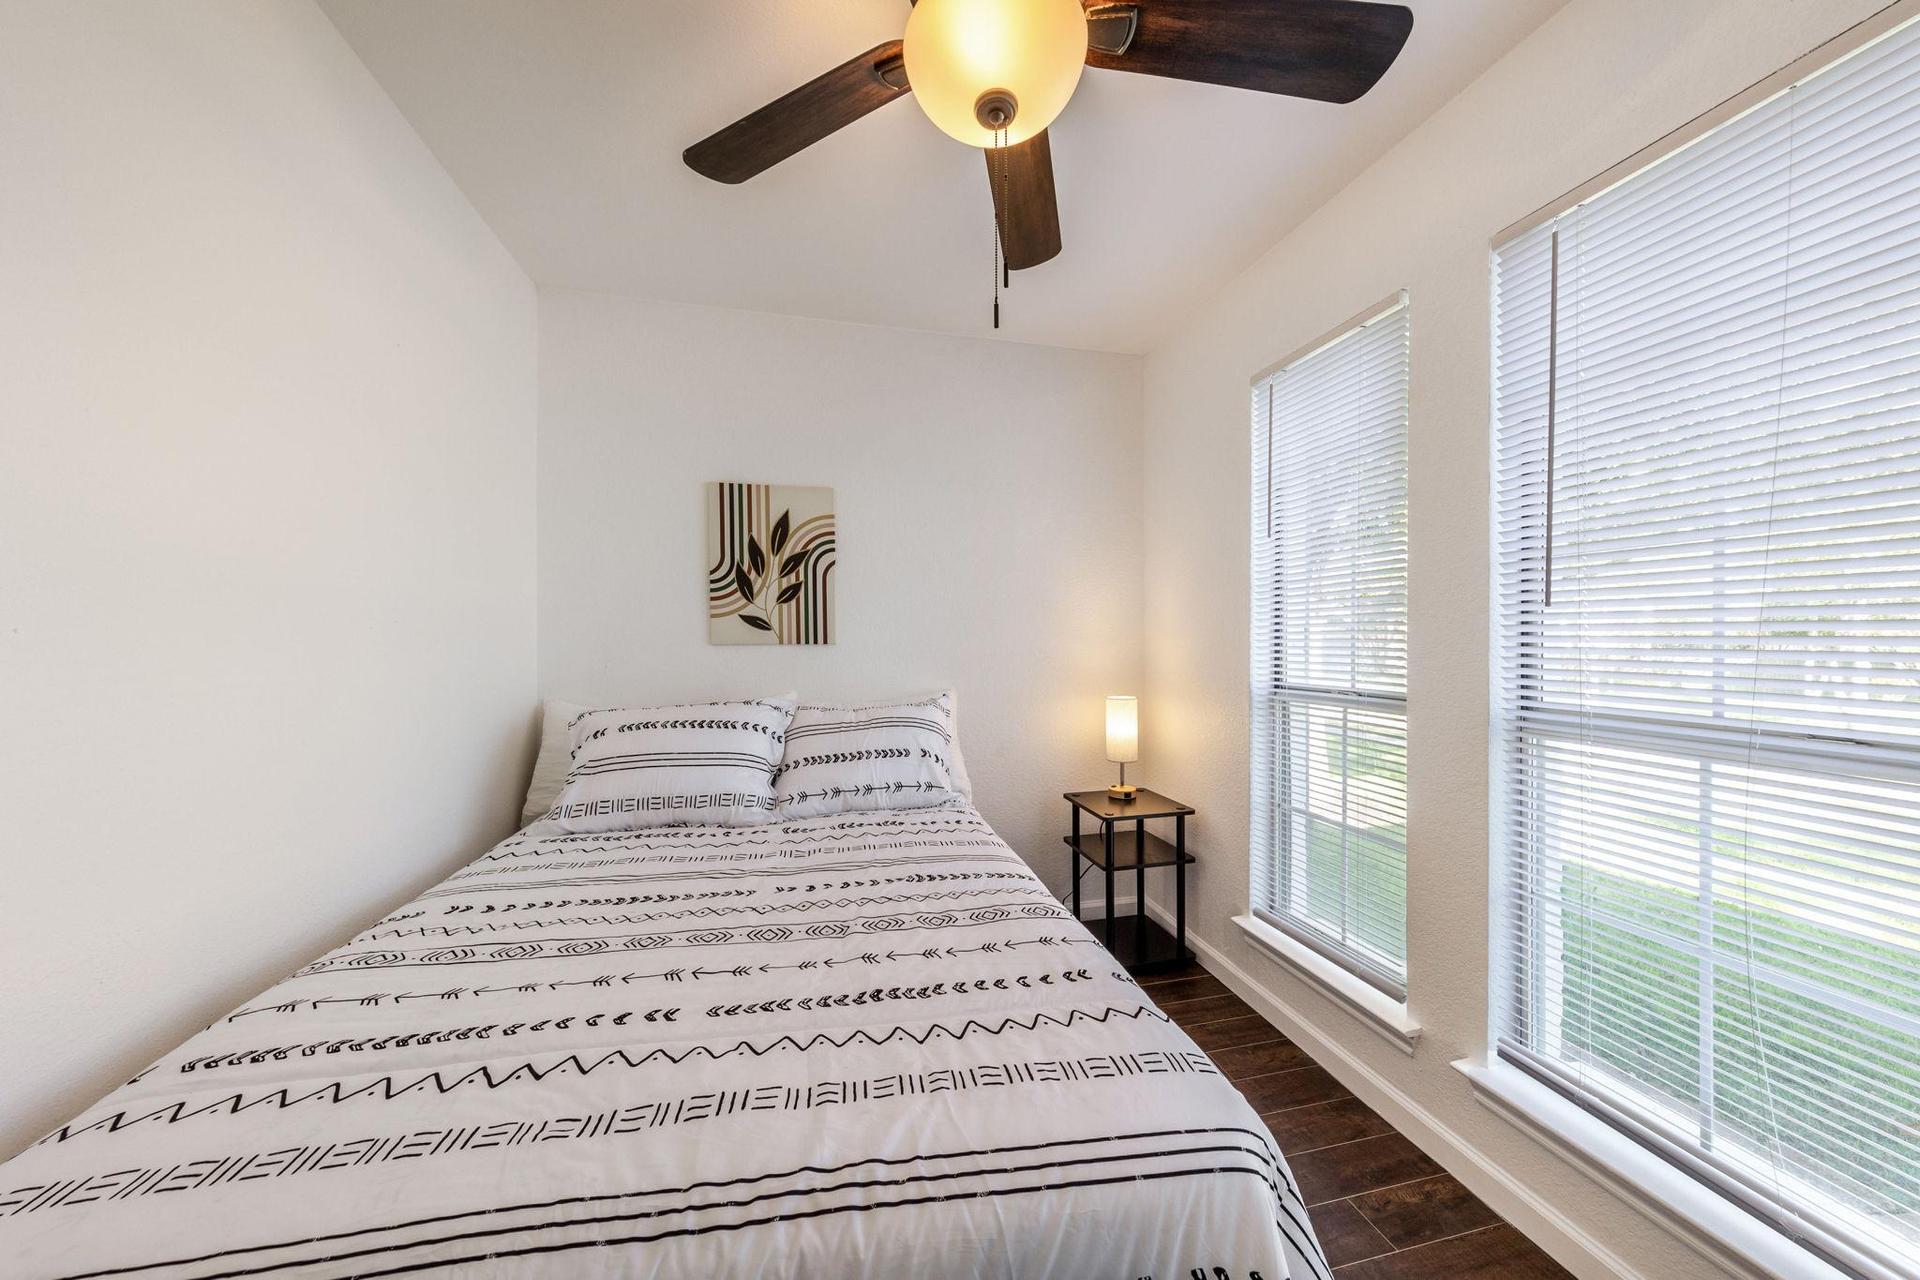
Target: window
1329,659
1707,691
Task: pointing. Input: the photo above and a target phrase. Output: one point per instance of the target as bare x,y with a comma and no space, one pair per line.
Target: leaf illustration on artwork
781,528
755,556
791,565
742,583
757,623
789,591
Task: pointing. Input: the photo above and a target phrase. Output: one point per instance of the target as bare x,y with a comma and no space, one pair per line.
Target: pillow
846,758
955,761
555,758
699,763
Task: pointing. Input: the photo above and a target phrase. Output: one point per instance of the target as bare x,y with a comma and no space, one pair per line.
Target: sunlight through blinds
1329,649
1707,695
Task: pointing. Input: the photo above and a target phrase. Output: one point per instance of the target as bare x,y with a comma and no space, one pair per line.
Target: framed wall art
770,562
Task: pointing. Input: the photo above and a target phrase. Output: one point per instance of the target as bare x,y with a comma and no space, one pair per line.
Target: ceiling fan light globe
1031,50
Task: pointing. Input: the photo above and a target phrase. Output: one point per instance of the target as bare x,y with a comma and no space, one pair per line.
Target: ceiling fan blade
792,123
1028,216
1330,50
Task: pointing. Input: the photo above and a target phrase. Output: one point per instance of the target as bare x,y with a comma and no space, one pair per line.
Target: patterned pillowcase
704,763
845,758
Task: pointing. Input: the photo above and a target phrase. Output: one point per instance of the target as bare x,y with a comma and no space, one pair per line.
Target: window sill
1719,1230
1378,1010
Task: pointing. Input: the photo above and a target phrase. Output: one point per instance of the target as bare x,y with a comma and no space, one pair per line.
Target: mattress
867,1045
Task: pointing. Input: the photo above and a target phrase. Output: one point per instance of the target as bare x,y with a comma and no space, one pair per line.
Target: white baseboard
1538,1219
1093,908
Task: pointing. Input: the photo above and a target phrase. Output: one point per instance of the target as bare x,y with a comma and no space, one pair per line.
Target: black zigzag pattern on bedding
865,997
496,1075
713,936
410,1039
1065,1162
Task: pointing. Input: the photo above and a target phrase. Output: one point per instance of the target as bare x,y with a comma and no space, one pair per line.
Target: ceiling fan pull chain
997,161
996,276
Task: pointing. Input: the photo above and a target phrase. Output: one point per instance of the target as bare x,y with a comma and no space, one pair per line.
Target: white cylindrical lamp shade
1123,728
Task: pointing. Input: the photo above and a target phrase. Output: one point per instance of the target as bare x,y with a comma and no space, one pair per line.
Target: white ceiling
564,120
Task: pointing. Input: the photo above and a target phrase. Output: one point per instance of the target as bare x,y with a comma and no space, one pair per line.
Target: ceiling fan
995,73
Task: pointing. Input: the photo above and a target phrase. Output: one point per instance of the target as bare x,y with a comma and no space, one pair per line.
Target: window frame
1316,957
1529,1090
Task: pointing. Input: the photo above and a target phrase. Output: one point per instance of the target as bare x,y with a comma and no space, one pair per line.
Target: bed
864,1045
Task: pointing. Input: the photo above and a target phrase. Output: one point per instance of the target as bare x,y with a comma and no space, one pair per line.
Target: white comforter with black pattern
865,1045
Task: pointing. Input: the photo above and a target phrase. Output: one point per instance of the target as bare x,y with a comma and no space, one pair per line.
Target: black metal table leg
1107,829
1139,890
1180,886
1073,861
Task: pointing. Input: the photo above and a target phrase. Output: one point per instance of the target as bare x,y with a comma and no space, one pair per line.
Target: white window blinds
1707,701
1329,648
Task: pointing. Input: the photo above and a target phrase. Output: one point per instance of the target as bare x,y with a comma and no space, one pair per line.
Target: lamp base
1122,791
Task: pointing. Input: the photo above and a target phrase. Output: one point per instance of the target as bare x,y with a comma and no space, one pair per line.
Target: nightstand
1121,842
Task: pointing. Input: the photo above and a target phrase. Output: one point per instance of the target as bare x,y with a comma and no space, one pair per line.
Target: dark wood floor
1383,1210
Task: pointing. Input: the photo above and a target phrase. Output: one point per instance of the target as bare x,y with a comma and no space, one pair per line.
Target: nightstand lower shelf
1163,952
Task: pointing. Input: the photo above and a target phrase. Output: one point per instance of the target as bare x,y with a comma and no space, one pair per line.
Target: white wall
1594,84
986,497
266,523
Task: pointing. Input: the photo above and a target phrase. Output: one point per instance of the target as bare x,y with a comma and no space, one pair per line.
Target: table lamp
1123,740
